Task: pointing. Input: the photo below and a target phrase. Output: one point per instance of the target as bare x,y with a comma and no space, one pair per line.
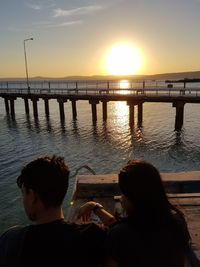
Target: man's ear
33,196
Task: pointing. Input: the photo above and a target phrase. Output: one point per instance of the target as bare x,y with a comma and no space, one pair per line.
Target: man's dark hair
48,177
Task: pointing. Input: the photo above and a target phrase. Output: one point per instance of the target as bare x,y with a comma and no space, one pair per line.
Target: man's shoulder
91,232
11,242
90,228
13,232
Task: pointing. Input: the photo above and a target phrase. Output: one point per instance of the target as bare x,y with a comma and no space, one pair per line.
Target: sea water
105,146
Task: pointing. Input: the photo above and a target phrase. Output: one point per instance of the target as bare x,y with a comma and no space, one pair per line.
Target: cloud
49,24
43,25
76,11
62,24
40,4
67,23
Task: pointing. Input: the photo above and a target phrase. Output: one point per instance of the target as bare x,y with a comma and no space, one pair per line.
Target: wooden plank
181,176
192,215
193,176
113,177
107,184
91,186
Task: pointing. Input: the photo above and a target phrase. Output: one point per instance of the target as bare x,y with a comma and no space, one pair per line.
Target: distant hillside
178,75
161,76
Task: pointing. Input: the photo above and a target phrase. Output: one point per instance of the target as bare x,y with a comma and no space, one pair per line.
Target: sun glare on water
123,59
121,110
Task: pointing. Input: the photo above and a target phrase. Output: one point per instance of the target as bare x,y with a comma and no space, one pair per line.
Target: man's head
47,177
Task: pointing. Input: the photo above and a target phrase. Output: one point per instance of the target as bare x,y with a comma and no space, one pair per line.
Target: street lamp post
27,78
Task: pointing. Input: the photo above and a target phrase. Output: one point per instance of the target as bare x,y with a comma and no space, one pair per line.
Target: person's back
51,244
50,241
59,242
44,245
144,245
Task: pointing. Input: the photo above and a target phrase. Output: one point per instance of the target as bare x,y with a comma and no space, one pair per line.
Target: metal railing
193,92
97,88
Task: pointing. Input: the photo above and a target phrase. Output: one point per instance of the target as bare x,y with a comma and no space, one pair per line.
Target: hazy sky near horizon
75,37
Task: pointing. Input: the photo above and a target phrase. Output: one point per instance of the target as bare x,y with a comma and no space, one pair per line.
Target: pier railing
99,90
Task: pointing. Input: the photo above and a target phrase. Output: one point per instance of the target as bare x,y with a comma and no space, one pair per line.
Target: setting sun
123,59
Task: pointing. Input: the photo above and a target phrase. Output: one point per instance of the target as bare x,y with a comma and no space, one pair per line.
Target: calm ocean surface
105,147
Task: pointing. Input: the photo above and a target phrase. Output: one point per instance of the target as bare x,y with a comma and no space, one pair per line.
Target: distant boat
185,80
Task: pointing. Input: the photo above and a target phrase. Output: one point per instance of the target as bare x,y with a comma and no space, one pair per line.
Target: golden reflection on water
120,109
120,117
139,134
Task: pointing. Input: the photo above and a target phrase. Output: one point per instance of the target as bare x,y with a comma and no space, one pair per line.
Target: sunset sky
97,37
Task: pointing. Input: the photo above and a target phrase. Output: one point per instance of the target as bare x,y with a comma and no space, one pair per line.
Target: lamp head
28,39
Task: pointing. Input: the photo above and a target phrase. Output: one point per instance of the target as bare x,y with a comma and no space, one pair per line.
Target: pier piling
94,109
26,105
46,106
61,108
131,112
12,106
74,111
179,105
6,105
35,108
104,107
140,113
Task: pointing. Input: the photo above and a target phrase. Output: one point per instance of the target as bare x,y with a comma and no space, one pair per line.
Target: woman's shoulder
182,225
124,225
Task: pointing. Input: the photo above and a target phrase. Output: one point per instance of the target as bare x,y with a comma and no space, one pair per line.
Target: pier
98,92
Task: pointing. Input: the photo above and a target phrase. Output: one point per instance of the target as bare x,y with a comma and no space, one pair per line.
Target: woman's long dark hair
141,183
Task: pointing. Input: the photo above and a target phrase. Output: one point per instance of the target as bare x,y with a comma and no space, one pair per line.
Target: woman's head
141,183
